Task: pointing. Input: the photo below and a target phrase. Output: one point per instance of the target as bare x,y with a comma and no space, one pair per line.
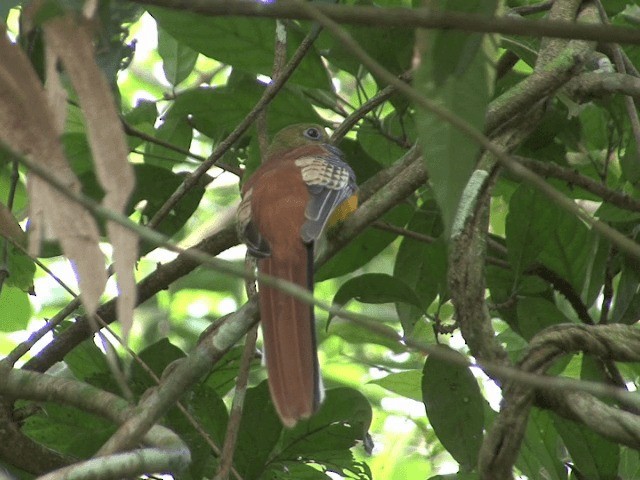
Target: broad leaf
592,455
536,314
455,408
178,60
406,384
375,288
422,265
538,456
529,225
16,309
243,43
178,132
455,72
68,430
364,247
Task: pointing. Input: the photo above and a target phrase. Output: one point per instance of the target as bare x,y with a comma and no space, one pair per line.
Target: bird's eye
313,133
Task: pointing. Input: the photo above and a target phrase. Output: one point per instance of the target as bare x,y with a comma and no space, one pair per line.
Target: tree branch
405,18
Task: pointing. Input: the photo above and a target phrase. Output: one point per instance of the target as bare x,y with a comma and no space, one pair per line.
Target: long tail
289,339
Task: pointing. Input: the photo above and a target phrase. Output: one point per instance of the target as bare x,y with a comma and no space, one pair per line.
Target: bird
303,187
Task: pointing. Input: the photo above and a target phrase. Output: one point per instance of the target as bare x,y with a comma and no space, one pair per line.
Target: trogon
303,187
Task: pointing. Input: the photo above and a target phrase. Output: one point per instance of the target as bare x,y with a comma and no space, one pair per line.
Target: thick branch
613,342
168,452
406,18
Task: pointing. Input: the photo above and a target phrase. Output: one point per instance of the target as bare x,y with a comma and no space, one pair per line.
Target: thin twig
378,99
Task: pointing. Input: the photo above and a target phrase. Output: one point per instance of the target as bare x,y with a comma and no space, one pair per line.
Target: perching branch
406,18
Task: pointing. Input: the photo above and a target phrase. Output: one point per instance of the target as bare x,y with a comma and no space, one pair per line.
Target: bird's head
295,136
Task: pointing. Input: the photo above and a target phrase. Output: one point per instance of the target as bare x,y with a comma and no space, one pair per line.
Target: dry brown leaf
72,43
28,127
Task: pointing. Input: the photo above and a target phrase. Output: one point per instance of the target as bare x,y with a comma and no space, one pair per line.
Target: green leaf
157,357
21,269
629,463
375,288
68,430
178,60
529,225
626,306
456,72
78,152
538,457
244,43
216,111
378,146
142,117
574,252
365,246
406,384
154,185
356,335
422,265
177,132
326,438
455,408
86,360
15,309
392,47
610,213
592,455
536,314
212,416
363,165
258,435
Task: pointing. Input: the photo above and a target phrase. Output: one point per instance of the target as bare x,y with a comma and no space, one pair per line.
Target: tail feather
289,339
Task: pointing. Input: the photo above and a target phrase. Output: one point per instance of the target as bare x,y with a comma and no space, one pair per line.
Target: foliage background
475,259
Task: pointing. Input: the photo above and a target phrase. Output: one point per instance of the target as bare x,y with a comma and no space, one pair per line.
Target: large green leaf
211,414
327,437
21,269
157,357
392,47
529,225
244,43
456,71
535,314
178,60
406,384
575,253
260,429
178,132
376,288
626,306
592,455
15,309
365,246
217,111
538,457
455,408
422,265
86,361
68,430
